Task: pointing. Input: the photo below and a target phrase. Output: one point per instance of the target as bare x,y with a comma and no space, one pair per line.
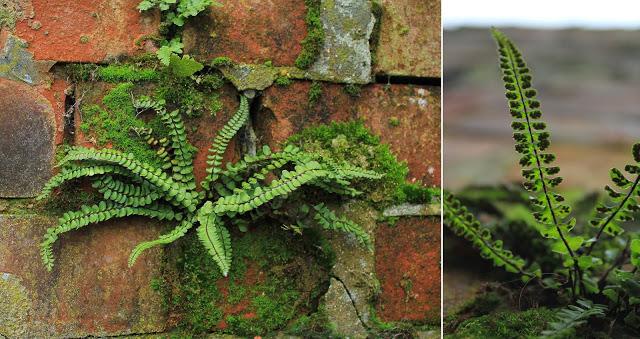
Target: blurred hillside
589,86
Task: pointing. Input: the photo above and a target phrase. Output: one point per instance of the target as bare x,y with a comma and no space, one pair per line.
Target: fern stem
613,215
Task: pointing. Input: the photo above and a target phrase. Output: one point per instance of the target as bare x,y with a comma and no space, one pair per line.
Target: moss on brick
312,44
506,325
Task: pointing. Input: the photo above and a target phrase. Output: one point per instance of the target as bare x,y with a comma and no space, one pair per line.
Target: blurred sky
610,14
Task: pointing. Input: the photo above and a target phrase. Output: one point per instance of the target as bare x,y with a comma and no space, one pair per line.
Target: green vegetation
315,93
585,257
353,90
312,44
110,73
394,122
283,81
352,143
221,61
505,325
10,12
167,191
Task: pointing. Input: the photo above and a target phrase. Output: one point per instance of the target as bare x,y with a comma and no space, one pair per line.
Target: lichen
10,13
15,305
312,44
374,39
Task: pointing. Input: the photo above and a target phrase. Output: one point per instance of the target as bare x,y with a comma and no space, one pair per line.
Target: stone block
410,38
27,137
408,266
90,291
85,30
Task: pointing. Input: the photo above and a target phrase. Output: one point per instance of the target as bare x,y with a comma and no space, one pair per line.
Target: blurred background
585,59
586,66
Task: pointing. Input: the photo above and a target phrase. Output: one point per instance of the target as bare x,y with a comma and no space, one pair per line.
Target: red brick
251,31
408,267
85,30
417,108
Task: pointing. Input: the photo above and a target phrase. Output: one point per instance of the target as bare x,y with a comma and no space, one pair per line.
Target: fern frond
465,225
625,201
215,237
340,188
162,146
246,200
329,221
76,172
94,214
176,193
183,151
532,141
175,234
219,145
573,316
126,194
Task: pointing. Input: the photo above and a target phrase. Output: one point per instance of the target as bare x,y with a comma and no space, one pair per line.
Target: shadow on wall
588,84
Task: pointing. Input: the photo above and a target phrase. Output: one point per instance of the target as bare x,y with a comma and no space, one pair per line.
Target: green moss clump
353,90
266,283
126,73
506,325
191,97
221,61
394,122
313,42
110,73
352,142
314,326
115,124
283,81
315,92
416,193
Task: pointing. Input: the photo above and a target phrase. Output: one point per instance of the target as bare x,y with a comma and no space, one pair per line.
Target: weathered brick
27,132
85,30
410,38
252,31
407,117
90,291
408,266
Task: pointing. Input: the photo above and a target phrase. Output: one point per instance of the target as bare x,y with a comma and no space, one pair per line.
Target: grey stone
17,63
412,210
346,56
26,140
341,312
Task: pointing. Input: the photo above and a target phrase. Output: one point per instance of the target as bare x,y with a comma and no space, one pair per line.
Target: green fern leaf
221,141
573,316
215,237
465,225
625,206
329,221
76,172
175,234
532,141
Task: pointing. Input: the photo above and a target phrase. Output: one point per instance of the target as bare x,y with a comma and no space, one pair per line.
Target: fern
130,187
329,221
532,141
625,203
573,316
465,225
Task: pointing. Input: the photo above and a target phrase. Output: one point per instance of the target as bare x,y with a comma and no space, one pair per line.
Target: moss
352,90
352,142
283,81
111,73
506,325
15,305
191,97
266,288
312,44
394,122
221,61
374,39
416,193
315,93
114,124
314,326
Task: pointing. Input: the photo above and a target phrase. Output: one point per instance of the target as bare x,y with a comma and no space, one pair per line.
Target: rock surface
405,116
341,312
408,266
345,56
27,129
90,291
410,38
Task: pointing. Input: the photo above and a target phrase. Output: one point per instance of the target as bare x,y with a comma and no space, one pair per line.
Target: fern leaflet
573,316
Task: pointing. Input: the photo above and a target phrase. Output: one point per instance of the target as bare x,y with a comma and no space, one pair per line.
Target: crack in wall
388,79
353,301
